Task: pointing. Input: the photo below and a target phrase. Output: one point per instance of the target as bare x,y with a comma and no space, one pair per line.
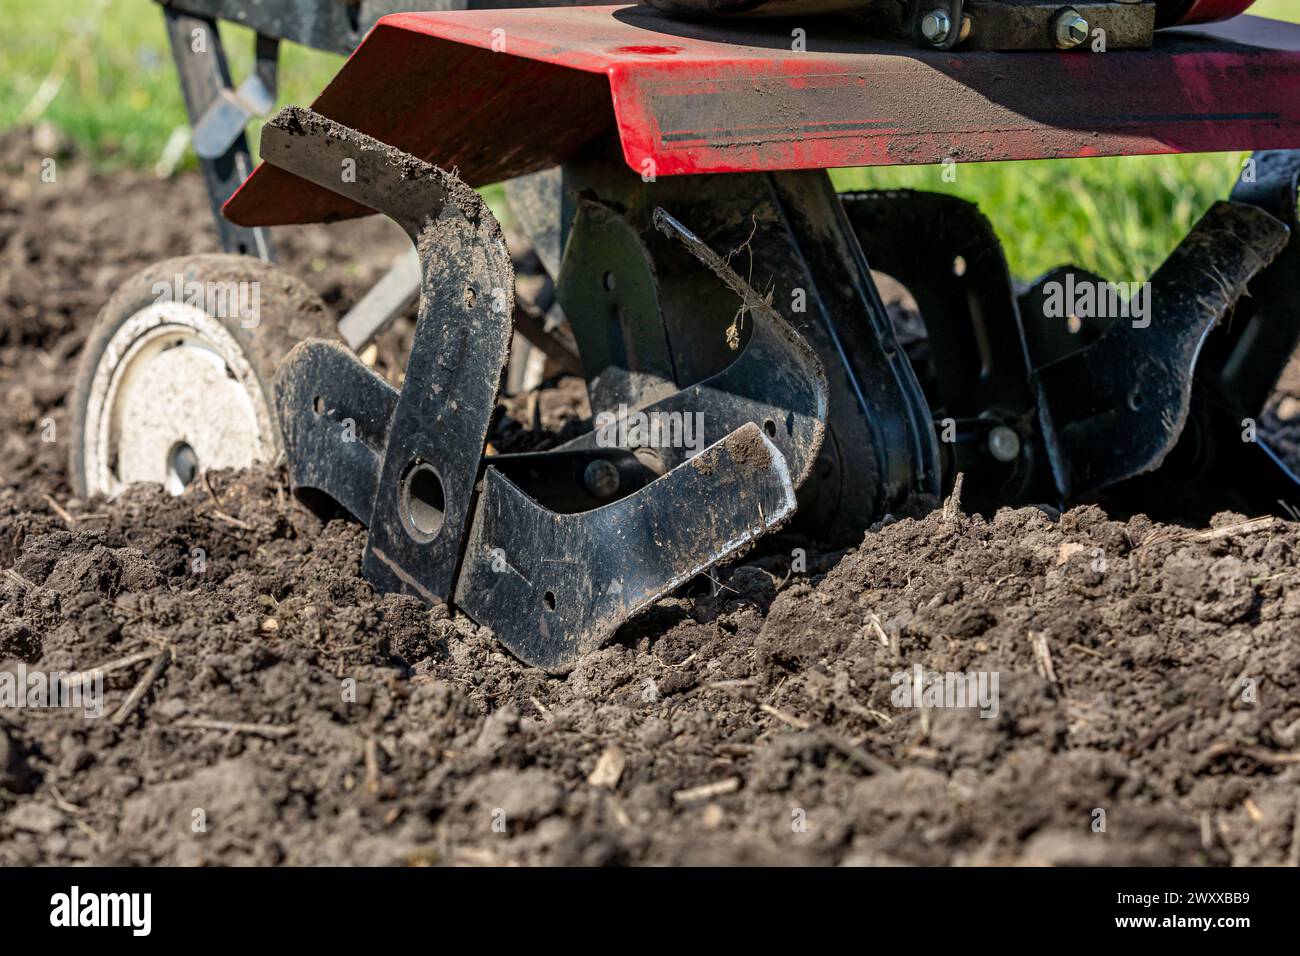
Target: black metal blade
553,587
1116,409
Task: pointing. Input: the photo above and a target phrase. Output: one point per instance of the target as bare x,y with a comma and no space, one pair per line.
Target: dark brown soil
1148,675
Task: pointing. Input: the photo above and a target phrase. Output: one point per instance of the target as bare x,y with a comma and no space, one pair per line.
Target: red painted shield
498,93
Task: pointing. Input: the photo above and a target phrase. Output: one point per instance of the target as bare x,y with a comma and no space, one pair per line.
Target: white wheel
173,395
168,390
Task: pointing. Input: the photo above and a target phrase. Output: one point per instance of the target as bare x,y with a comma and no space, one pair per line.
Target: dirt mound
262,705
306,720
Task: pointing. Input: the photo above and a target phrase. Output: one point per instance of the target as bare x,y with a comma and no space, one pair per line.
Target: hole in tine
423,502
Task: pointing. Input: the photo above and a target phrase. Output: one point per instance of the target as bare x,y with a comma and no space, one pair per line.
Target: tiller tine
1220,461
555,586
1117,408
554,550
1247,357
1143,410
776,380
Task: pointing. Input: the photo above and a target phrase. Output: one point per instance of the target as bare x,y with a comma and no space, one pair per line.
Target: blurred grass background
100,71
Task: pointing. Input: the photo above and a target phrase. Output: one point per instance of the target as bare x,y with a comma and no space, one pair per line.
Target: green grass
101,72
1118,217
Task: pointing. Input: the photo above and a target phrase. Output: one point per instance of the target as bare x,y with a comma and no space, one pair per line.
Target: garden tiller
670,169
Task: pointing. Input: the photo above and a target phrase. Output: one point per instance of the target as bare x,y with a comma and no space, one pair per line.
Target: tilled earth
1149,676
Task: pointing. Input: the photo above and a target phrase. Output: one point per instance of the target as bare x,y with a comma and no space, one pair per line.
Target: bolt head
936,26
601,478
1072,30
1004,444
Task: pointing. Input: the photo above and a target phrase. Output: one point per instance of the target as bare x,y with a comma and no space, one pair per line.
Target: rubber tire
289,313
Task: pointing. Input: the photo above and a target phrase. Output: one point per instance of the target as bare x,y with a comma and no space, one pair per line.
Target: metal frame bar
205,81
219,112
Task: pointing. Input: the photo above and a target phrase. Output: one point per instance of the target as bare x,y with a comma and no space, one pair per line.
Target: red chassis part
1206,11
690,97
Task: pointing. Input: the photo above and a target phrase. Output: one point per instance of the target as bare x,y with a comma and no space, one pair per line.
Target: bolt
936,26
601,478
1004,443
1072,29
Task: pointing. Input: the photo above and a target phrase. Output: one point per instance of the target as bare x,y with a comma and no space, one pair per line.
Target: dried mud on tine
1147,671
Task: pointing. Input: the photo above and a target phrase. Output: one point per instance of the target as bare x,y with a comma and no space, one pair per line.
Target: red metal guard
498,93
1206,11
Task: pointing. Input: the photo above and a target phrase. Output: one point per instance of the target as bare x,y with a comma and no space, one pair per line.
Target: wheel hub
172,396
